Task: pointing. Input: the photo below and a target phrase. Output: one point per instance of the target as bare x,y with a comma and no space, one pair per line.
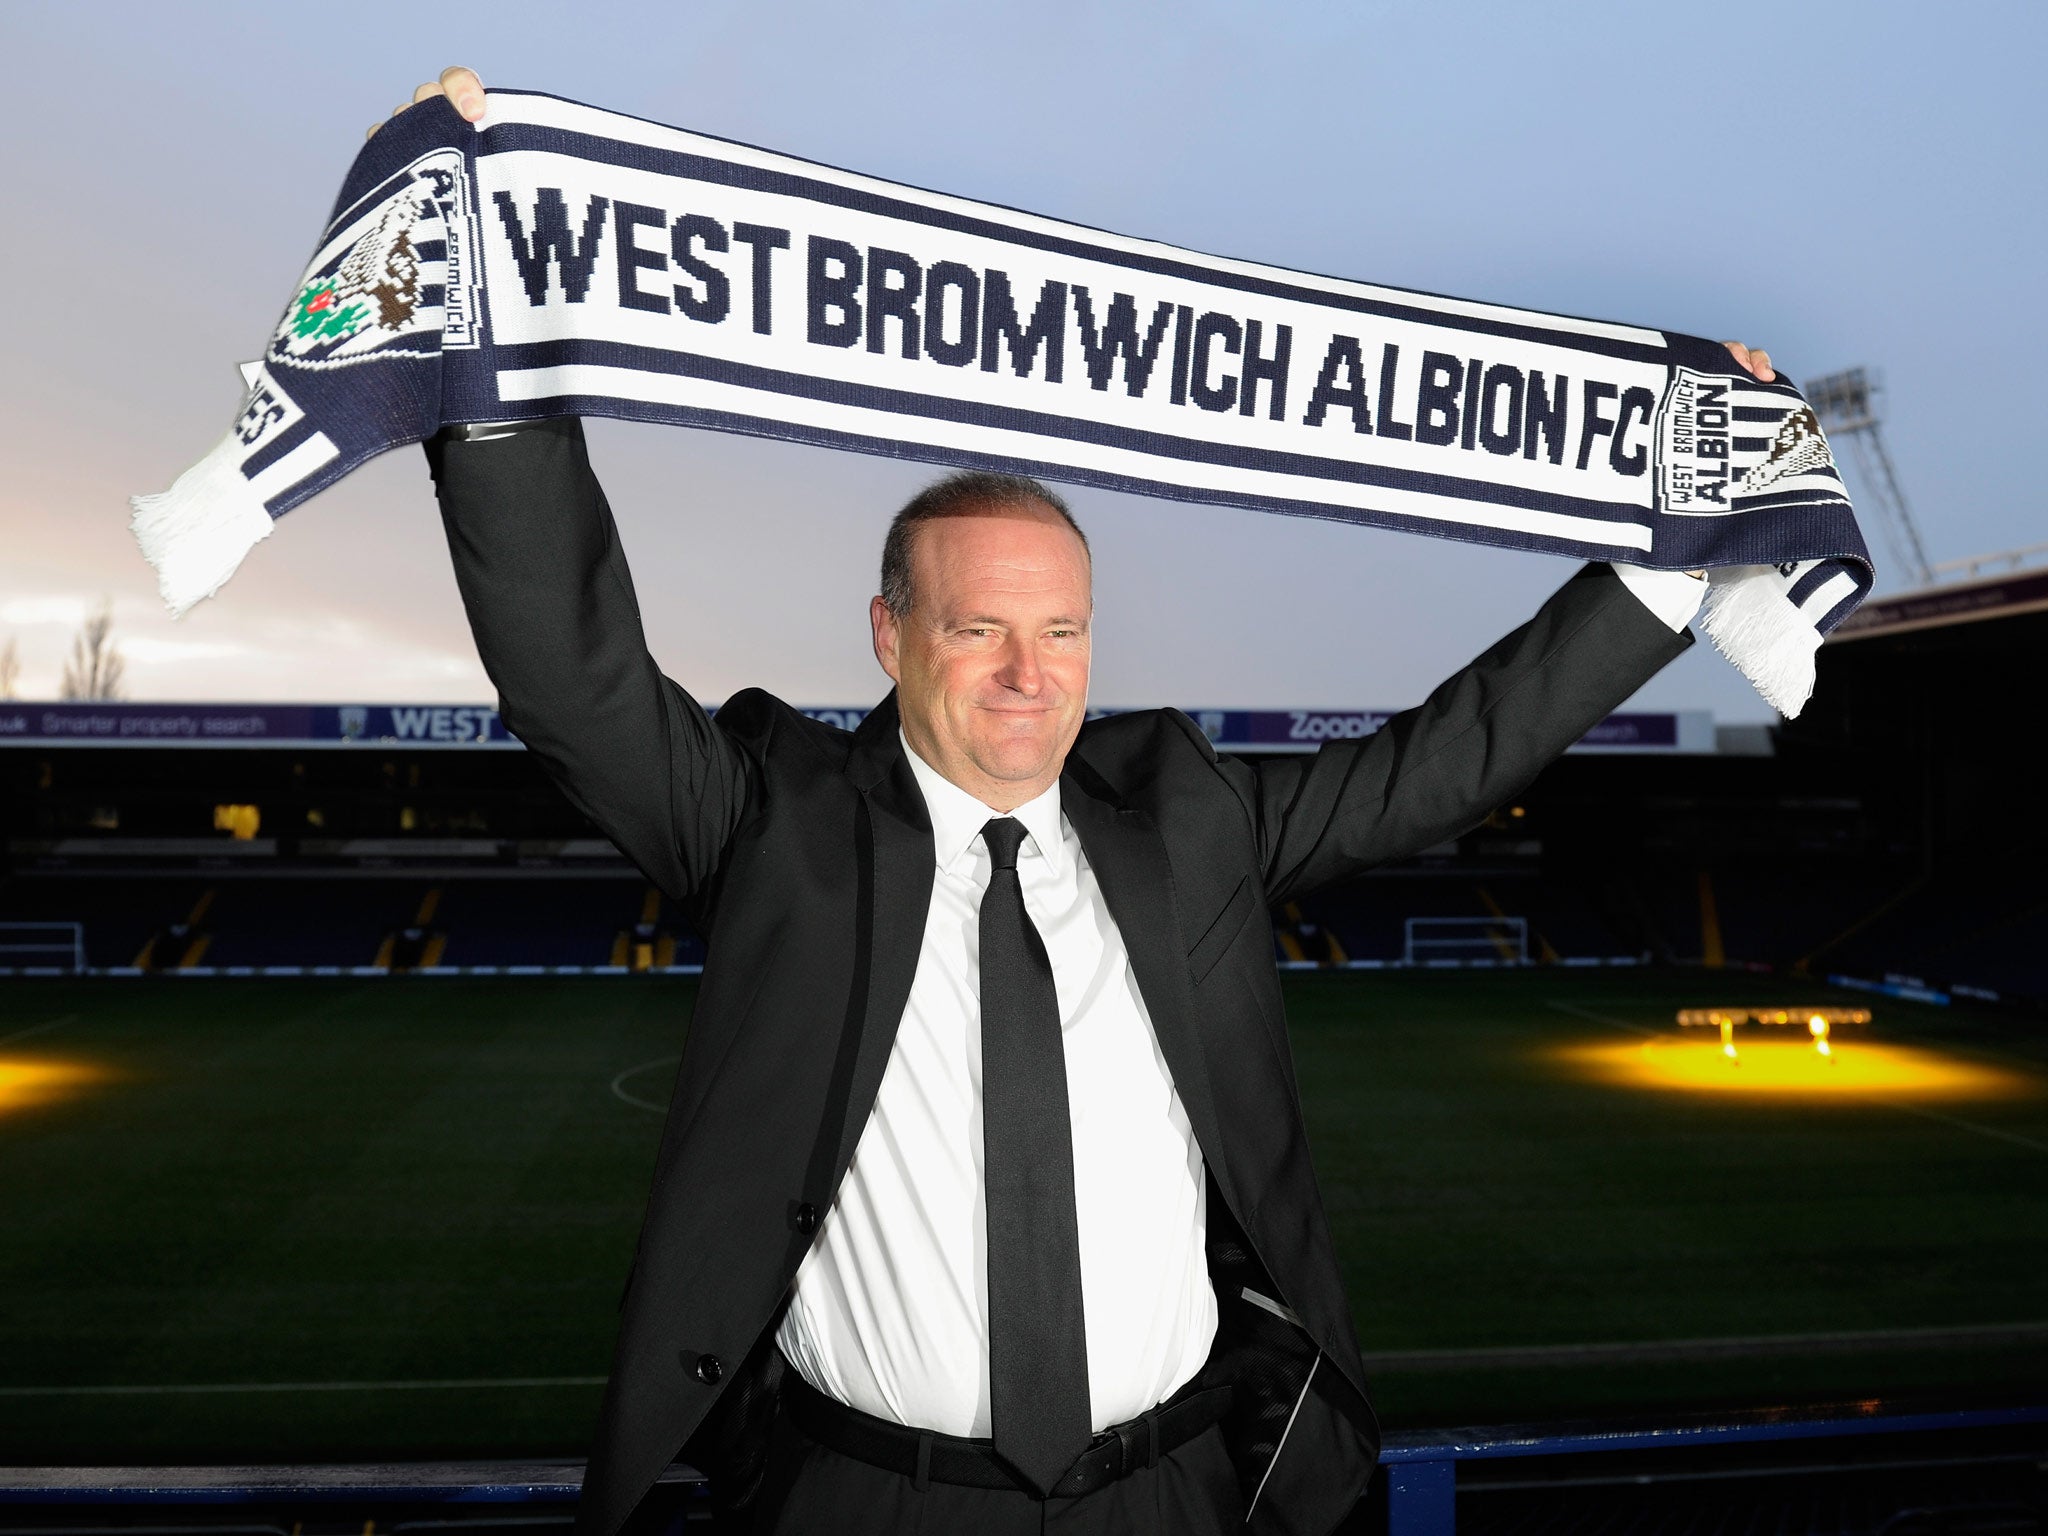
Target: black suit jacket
804,855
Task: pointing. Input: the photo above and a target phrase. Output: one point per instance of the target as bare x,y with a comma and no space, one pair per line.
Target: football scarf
555,259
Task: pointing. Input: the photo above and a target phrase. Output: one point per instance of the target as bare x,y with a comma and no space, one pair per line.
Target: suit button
807,1218
708,1369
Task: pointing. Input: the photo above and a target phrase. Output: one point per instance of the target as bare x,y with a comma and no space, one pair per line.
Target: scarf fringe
196,533
1755,625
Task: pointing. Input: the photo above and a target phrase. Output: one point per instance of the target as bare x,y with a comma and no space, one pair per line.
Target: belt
925,1456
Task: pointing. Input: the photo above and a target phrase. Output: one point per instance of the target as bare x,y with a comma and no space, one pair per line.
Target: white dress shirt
890,1308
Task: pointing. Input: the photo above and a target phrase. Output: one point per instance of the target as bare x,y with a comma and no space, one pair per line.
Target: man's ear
886,636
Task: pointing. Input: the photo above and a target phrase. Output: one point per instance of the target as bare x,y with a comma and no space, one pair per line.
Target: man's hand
465,94
1755,359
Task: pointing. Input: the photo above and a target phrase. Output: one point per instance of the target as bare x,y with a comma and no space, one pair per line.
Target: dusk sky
1845,183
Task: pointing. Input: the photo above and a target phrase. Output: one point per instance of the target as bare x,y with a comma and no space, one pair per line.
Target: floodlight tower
1846,404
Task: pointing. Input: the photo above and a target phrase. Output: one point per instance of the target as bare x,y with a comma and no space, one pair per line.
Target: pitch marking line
155,1389
1869,1098
38,1029
1682,1350
619,1084
1601,1018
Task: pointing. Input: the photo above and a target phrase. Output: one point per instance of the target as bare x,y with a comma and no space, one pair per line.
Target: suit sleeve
1435,771
551,604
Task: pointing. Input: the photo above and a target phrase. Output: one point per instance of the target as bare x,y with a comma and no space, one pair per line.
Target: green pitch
353,1219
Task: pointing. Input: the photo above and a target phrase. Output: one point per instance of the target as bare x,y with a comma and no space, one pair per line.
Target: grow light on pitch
1819,1023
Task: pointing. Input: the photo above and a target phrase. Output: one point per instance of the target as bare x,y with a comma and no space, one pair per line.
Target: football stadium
1470,959
1683,1127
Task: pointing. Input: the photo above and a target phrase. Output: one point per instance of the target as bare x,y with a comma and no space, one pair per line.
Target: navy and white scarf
559,260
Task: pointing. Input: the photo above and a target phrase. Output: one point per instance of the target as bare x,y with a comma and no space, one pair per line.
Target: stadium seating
120,915
353,918
305,922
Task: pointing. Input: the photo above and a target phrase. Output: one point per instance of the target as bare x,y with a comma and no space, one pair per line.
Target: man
983,1201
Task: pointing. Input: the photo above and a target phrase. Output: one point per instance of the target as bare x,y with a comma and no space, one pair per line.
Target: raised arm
551,604
1437,770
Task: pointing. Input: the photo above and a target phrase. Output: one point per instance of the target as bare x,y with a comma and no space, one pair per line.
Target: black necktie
1037,1343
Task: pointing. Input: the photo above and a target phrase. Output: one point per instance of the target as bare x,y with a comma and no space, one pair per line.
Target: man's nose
1020,666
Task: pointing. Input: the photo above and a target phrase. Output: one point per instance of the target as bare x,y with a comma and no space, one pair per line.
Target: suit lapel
1128,856
895,896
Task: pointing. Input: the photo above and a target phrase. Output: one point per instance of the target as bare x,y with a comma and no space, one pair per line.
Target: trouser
811,1489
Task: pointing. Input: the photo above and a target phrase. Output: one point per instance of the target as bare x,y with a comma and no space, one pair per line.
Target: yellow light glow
1791,1068
25,1084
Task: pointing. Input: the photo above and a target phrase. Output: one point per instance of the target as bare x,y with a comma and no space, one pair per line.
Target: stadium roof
1963,602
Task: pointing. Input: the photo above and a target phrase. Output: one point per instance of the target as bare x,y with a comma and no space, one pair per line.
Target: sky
1844,183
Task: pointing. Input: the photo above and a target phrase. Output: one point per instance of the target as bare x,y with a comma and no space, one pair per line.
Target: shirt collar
957,817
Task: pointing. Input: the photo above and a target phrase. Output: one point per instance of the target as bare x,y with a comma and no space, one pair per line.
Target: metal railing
1421,1468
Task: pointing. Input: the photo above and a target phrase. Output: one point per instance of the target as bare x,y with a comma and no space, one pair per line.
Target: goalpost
54,949
1459,941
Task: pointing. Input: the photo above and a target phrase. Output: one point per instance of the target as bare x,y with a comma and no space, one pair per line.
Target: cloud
33,610
157,651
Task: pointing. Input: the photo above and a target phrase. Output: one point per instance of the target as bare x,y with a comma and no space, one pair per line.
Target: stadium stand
1890,831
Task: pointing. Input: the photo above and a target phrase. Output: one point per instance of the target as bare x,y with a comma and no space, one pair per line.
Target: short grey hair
959,495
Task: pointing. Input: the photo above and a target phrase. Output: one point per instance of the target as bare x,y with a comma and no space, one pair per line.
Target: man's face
991,663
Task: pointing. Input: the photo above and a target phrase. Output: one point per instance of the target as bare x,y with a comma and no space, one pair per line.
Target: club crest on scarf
1799,448
380,282
1726,445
